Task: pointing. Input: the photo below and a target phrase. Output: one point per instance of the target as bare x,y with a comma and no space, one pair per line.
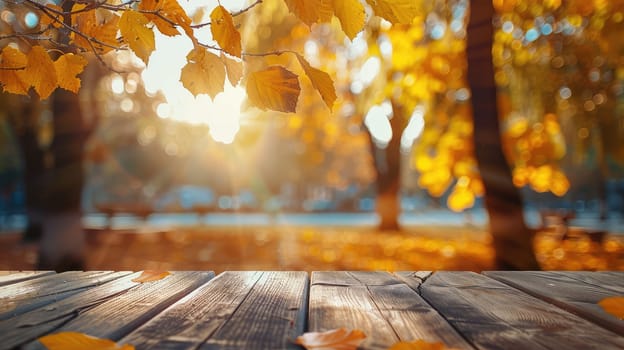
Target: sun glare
163,74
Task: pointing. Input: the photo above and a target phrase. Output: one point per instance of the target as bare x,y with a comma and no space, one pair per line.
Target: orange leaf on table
233,68
311,11
12,61
151,276
274,88
395,11
335,339
613,306
351,15
39,72
321,81
418,345
68,67
224,31
79,341
204,73
140,38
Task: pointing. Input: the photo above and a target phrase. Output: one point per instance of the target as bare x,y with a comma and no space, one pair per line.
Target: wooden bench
268,310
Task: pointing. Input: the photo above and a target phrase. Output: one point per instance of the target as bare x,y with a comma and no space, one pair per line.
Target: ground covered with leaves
310,248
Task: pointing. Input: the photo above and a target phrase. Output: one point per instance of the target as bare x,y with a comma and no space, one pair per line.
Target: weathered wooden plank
109,311
10,277
190,321
413,278
21,297
271,316
379,304
576,292
612,280
493,315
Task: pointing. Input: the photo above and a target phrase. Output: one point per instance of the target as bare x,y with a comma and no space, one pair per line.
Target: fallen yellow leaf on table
418,345
151,276
613,306
335,339
80,341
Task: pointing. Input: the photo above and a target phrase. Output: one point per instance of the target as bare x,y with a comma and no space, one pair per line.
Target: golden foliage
140,38
321,81
79,341
395,11
204,73
67,67
311,11
351,15
274,88
39,72
233,68
224,31
12,61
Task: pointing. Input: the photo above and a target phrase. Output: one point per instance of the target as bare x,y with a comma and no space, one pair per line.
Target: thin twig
238,13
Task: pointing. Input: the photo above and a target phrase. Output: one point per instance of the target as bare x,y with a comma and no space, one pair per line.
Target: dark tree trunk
512,239
388,175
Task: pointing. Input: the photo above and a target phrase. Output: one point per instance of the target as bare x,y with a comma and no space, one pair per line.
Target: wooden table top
268,310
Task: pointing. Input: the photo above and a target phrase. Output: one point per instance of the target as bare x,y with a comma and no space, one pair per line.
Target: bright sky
163,74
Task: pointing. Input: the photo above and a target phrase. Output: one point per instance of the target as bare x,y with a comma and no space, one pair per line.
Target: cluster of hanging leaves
101,27
428,74
555,61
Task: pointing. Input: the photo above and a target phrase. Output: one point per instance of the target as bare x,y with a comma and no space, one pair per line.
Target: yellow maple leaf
418,345
613,306
224,31
67,68
79,341
311,11
204,73
395,11
151,276
168,14
234,69
39,72
98,28
335,339
13,61
274,88
321,81
140,38
351,15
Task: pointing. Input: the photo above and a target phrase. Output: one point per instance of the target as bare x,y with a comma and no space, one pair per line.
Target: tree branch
238,13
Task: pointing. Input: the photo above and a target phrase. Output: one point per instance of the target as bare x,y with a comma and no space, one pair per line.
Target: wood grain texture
10,277
30,325
271,316
378,303
493,315
577,292
190,321
21,297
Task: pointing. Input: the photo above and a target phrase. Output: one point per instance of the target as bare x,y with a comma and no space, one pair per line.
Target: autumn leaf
140,38
151,276
53,15
351,15
336,339
12,61
99,29
460,199
79,341
234,69
169,13
395,11
274,88
321,81
419,345
311,11
224,31
67,68
39,72
613,306
204,73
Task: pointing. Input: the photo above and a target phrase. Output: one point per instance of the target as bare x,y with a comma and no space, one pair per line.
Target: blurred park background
389,179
